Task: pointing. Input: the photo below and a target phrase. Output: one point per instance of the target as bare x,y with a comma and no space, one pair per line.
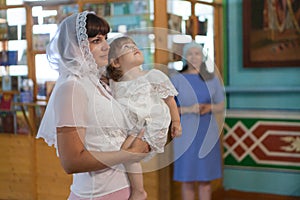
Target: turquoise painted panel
238,76
281,183
274,101
131,21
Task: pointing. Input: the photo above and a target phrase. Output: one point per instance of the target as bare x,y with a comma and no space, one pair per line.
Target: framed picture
174,23
271,33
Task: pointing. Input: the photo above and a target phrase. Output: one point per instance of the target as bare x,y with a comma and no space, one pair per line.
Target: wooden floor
238,195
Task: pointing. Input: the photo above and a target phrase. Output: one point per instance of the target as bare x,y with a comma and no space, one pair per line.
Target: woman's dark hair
115,46
204,74
96,25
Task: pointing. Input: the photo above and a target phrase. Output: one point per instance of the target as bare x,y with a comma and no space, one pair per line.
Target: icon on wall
271,33
174,23
201,26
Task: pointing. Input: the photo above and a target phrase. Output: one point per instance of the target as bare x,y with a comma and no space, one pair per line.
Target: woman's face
194,57
99,48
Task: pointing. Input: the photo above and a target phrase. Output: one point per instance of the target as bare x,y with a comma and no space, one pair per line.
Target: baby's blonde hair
113,55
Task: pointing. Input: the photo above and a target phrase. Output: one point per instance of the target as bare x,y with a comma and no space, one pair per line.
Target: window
205,36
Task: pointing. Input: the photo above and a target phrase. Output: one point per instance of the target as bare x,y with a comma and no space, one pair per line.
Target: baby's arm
176,130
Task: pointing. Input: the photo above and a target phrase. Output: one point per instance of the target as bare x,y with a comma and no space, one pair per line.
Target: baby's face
130,55
128,48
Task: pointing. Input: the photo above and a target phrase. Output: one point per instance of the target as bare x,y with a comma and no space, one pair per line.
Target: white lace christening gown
142,99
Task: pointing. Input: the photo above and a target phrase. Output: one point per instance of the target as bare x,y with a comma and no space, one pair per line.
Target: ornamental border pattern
262,143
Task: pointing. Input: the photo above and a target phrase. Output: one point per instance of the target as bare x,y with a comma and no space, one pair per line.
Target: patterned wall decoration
262,143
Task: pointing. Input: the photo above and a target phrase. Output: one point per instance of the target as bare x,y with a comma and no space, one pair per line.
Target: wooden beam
218,38
161,58
161,55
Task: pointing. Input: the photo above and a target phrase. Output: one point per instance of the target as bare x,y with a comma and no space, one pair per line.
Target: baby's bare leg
135,176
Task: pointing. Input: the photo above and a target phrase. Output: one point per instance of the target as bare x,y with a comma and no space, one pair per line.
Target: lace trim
131,116
143,87
157,140
83,42
115,136
164,89
49,139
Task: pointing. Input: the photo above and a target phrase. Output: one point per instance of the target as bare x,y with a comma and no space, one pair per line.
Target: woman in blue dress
197,152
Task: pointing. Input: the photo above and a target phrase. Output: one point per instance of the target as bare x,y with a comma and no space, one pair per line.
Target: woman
198,150
82,120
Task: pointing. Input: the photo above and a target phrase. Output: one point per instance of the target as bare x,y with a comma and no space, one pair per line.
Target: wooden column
30,55
219,62
161,60
160,25
218,36
194,19
31,63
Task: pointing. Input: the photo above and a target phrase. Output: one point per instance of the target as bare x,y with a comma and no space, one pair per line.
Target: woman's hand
204,108
214,108
136,144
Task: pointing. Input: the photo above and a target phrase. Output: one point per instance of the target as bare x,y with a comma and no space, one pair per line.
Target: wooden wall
52,181
29,169
16,167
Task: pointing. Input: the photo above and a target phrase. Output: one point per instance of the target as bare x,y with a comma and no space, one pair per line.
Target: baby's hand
176,129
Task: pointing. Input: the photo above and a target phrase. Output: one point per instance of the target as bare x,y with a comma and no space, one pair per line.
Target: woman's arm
189,109
75,158
214,108
202,108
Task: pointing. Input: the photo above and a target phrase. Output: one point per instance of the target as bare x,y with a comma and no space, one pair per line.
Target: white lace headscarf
69,53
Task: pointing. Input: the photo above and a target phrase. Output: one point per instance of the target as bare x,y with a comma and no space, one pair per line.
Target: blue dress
197,152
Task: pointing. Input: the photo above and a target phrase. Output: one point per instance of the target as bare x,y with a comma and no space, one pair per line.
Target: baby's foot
138,195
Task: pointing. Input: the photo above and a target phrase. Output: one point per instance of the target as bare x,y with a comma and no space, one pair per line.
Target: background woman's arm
189,109
202,108
214,108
